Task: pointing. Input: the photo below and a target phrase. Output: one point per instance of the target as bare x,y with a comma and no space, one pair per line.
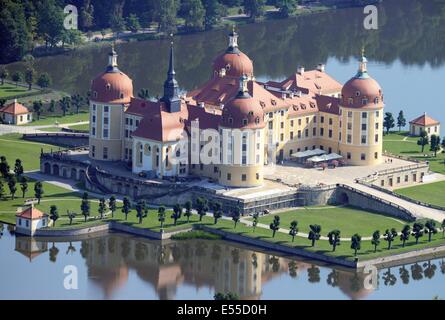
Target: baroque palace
250,123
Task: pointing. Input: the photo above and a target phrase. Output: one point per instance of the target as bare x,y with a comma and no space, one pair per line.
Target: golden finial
363,50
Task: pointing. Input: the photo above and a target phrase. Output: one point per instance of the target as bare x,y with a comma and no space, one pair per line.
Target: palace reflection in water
216,265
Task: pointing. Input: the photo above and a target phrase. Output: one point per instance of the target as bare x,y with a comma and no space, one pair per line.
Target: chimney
202,105
321,67
300,70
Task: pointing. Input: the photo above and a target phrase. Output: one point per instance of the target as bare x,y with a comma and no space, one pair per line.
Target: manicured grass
346,219
53,195
195,234
12,146
84,127
69,118
394,143
343,251
10,90
432,193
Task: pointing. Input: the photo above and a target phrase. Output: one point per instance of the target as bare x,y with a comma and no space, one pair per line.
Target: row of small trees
418,230
30,77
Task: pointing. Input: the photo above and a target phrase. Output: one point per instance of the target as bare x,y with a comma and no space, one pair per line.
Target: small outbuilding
426,123
15,113
29,220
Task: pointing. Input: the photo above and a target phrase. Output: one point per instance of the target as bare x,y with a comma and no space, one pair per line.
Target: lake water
406,53
117,266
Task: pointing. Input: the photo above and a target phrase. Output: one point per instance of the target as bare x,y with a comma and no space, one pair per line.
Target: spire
112,60
233,42
171,88
363,68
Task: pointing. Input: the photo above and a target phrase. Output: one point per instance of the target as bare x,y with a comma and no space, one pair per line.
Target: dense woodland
26,24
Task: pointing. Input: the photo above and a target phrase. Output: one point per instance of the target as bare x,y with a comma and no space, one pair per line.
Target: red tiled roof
15,108
31,213
424,120
112,87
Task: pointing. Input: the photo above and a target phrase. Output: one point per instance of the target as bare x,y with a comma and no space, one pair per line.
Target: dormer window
108,86
257,120
230,120
364,101
250,113
95,94
351,101
376,100
244,122
357,93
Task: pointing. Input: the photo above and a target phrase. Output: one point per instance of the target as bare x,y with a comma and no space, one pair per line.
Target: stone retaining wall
50,232
279,248
70,140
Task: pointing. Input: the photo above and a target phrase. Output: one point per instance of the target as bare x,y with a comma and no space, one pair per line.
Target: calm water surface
118,266
406,54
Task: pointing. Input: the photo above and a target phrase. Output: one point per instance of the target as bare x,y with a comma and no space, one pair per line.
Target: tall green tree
44,80
254,8
4,74
214,11
194,14
334,238
255,219
38,191
217,212
236,216
161,216
85,206
18,168
71,215
50,22
388,121
126,207
133,23
77,101
17,77
286,7
201,207
188,210
275,225
141,210
16,37
389,236
375,241
177,213
293,229
24,186
418,228
430,228
435,144
52,106
12,185
443,228
314,233
4,167
118,24
2,190
53,214
37,107
102,208
423,140
401,121
404,234
30,77
144,94
165,13
112,205
356,243
65,104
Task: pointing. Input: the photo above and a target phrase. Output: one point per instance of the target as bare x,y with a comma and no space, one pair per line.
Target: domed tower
233,62
111,92
361,119
242,140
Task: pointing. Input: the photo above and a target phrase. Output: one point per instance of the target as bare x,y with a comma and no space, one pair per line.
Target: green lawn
346,219
84,127
8,91
12,146
432,193
343,250
394,143
69,118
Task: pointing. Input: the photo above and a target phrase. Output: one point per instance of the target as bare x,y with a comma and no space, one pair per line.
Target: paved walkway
7,129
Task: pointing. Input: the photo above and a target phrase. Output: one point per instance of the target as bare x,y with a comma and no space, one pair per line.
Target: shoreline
354,263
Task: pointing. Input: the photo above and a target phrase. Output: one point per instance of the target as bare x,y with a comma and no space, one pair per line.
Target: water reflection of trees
411,31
